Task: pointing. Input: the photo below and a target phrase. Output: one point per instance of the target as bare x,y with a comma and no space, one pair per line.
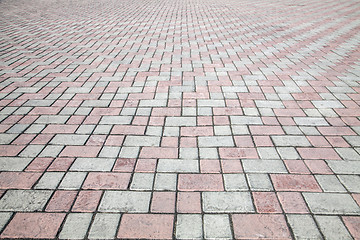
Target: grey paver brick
109,152
14,163
72,180
76,226
69,139
263,166
290,141
267,153
51,151
216,141
235,182
304,227
245,120
4,218
31,151
24,200
142,181
331,203
173,165
180,121
189,153
344,167
327,104
227,202
50,180
348,154
189,226
310,121
6,138
217,226
165,181
93,164
332,227
142,141
288,153
208,153
104,226
112,120
129,152
351,182
330,183
259,182
125,201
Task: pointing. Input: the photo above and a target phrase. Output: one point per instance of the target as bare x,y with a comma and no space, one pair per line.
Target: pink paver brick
60,128
188,202
34,225
292,202
318,153
292,182
80,151
87,201
61,201
124,130
39,164
158,152
10,150
352,224
266,202
200,182
231,166
210,166
243,141
106,180
61,164
114,140
263,141
146,226
18,180
124,165
296,166
318,167
146,165
255,226
163,202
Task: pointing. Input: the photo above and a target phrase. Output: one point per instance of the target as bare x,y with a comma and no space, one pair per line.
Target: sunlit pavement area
180,119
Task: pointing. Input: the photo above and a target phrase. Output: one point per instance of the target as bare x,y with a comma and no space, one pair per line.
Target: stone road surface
180,119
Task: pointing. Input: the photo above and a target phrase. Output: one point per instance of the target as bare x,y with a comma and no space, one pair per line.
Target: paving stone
14,163
138,141
344,167
288,153
93,164
125,201
24,200
146,226
216,141
330,183
310,121
331,203
69,139
172,165
104,226
200,182
290,141
332,227
259,182
4,218
76,226
112,120
352,224
267,153
50,180
245,120
253,226
348,154
217,226
235,182
165,181
189,226
303,227
351,182
142,181
72,180
263,166
180,121
227,202
34,225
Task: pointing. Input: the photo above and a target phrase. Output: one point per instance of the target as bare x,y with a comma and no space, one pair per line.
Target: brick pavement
180,119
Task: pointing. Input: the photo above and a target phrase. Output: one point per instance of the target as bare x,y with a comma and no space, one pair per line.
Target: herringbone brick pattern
180,119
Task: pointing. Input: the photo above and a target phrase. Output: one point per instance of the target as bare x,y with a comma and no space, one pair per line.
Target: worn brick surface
179,119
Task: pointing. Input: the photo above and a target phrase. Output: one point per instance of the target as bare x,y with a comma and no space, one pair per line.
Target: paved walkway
180,119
